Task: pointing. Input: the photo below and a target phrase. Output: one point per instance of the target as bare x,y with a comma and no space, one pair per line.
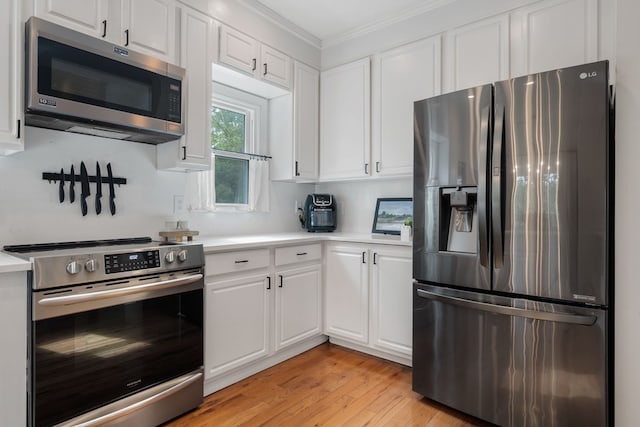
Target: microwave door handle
483,153
496,187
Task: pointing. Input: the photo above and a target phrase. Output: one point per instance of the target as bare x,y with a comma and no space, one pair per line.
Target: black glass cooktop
41,247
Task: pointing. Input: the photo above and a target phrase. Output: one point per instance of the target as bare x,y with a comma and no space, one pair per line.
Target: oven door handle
80,298
174,388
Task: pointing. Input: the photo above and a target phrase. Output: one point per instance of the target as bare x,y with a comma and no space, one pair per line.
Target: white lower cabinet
237,322
262,306
391,299
368,298
298,305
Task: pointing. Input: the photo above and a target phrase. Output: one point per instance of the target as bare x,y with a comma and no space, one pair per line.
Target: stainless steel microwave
77,83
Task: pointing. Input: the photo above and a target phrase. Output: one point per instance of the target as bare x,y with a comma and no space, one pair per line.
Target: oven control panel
118,263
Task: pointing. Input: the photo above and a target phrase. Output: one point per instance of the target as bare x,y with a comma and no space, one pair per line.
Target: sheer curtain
259,185
200,193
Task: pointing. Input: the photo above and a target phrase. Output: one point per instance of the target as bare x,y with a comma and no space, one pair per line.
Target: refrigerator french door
512,250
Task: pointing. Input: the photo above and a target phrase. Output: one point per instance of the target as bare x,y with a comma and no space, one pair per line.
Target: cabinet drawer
299,253
230,262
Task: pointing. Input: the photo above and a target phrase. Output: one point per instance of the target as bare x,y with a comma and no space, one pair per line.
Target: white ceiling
335,19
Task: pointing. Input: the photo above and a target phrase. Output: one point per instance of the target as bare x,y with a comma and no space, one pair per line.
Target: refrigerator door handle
496,187
576,319
483,152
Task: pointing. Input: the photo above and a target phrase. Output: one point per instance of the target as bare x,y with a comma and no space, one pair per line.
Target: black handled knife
61,186
72,184
98,189
112,192
84,182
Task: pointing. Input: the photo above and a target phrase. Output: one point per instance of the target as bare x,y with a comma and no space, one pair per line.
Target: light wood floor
326,386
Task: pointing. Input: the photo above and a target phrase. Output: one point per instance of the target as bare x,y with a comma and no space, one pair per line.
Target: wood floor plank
325,386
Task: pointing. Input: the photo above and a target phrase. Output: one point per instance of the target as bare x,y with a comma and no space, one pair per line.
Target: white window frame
255,110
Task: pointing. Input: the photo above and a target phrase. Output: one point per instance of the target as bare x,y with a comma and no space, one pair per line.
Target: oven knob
74,267
182,255
170,257
91,265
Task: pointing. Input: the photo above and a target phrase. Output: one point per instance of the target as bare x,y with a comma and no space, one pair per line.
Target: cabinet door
149,26
193,151
86,16
298,305
391,299
238,50
477,54
276,66
400,77
347,293
306,103
11,79
345,116
553,34
236,323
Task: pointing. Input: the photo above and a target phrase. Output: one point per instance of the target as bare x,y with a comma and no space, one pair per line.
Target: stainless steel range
116,331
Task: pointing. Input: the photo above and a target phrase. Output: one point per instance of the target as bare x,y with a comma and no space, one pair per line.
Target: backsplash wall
30,211
357,200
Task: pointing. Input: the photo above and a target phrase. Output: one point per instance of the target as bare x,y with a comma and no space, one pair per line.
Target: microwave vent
99,132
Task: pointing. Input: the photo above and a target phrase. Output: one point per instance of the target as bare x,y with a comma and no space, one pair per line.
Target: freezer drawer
512,362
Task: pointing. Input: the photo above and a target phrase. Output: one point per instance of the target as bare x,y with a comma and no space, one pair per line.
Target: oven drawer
232,262
300,253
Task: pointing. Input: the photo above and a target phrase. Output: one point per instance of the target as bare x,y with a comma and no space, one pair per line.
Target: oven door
92,345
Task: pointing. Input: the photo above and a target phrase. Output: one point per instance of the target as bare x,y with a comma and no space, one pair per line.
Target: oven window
85,360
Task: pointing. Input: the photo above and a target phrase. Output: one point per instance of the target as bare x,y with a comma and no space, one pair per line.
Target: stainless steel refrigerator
512,249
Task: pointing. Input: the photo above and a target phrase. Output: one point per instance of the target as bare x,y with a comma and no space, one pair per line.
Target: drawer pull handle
242,261
301,253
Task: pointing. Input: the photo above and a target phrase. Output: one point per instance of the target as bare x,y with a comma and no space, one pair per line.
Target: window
230,136
236,132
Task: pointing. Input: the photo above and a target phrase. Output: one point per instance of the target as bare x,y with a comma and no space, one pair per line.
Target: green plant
408,221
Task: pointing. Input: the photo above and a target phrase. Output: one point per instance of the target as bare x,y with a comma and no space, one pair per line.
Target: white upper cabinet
193,150
345,117
238,50
553,34
477,54
306,105
400,77
11,79
150,26
276,66
147,26
295,147
87,16
246,54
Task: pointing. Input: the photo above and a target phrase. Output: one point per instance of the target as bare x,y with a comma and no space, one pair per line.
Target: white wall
627,206
30,211
357,200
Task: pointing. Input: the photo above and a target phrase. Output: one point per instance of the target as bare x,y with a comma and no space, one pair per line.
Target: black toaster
320,212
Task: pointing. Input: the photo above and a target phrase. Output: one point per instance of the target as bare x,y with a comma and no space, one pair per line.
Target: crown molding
283,23
382,23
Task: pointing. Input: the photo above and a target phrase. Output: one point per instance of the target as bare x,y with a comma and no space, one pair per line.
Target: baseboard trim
403,360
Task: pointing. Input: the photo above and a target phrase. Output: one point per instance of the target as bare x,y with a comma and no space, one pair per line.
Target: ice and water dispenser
458,219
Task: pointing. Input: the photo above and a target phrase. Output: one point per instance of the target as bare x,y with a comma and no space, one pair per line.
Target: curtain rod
241,154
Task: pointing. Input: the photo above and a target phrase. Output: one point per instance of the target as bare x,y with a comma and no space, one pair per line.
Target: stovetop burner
41,247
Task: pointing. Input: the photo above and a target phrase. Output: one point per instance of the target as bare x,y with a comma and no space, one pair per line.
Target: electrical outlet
178,204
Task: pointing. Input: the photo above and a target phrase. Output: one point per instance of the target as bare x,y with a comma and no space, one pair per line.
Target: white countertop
216,244
10,264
